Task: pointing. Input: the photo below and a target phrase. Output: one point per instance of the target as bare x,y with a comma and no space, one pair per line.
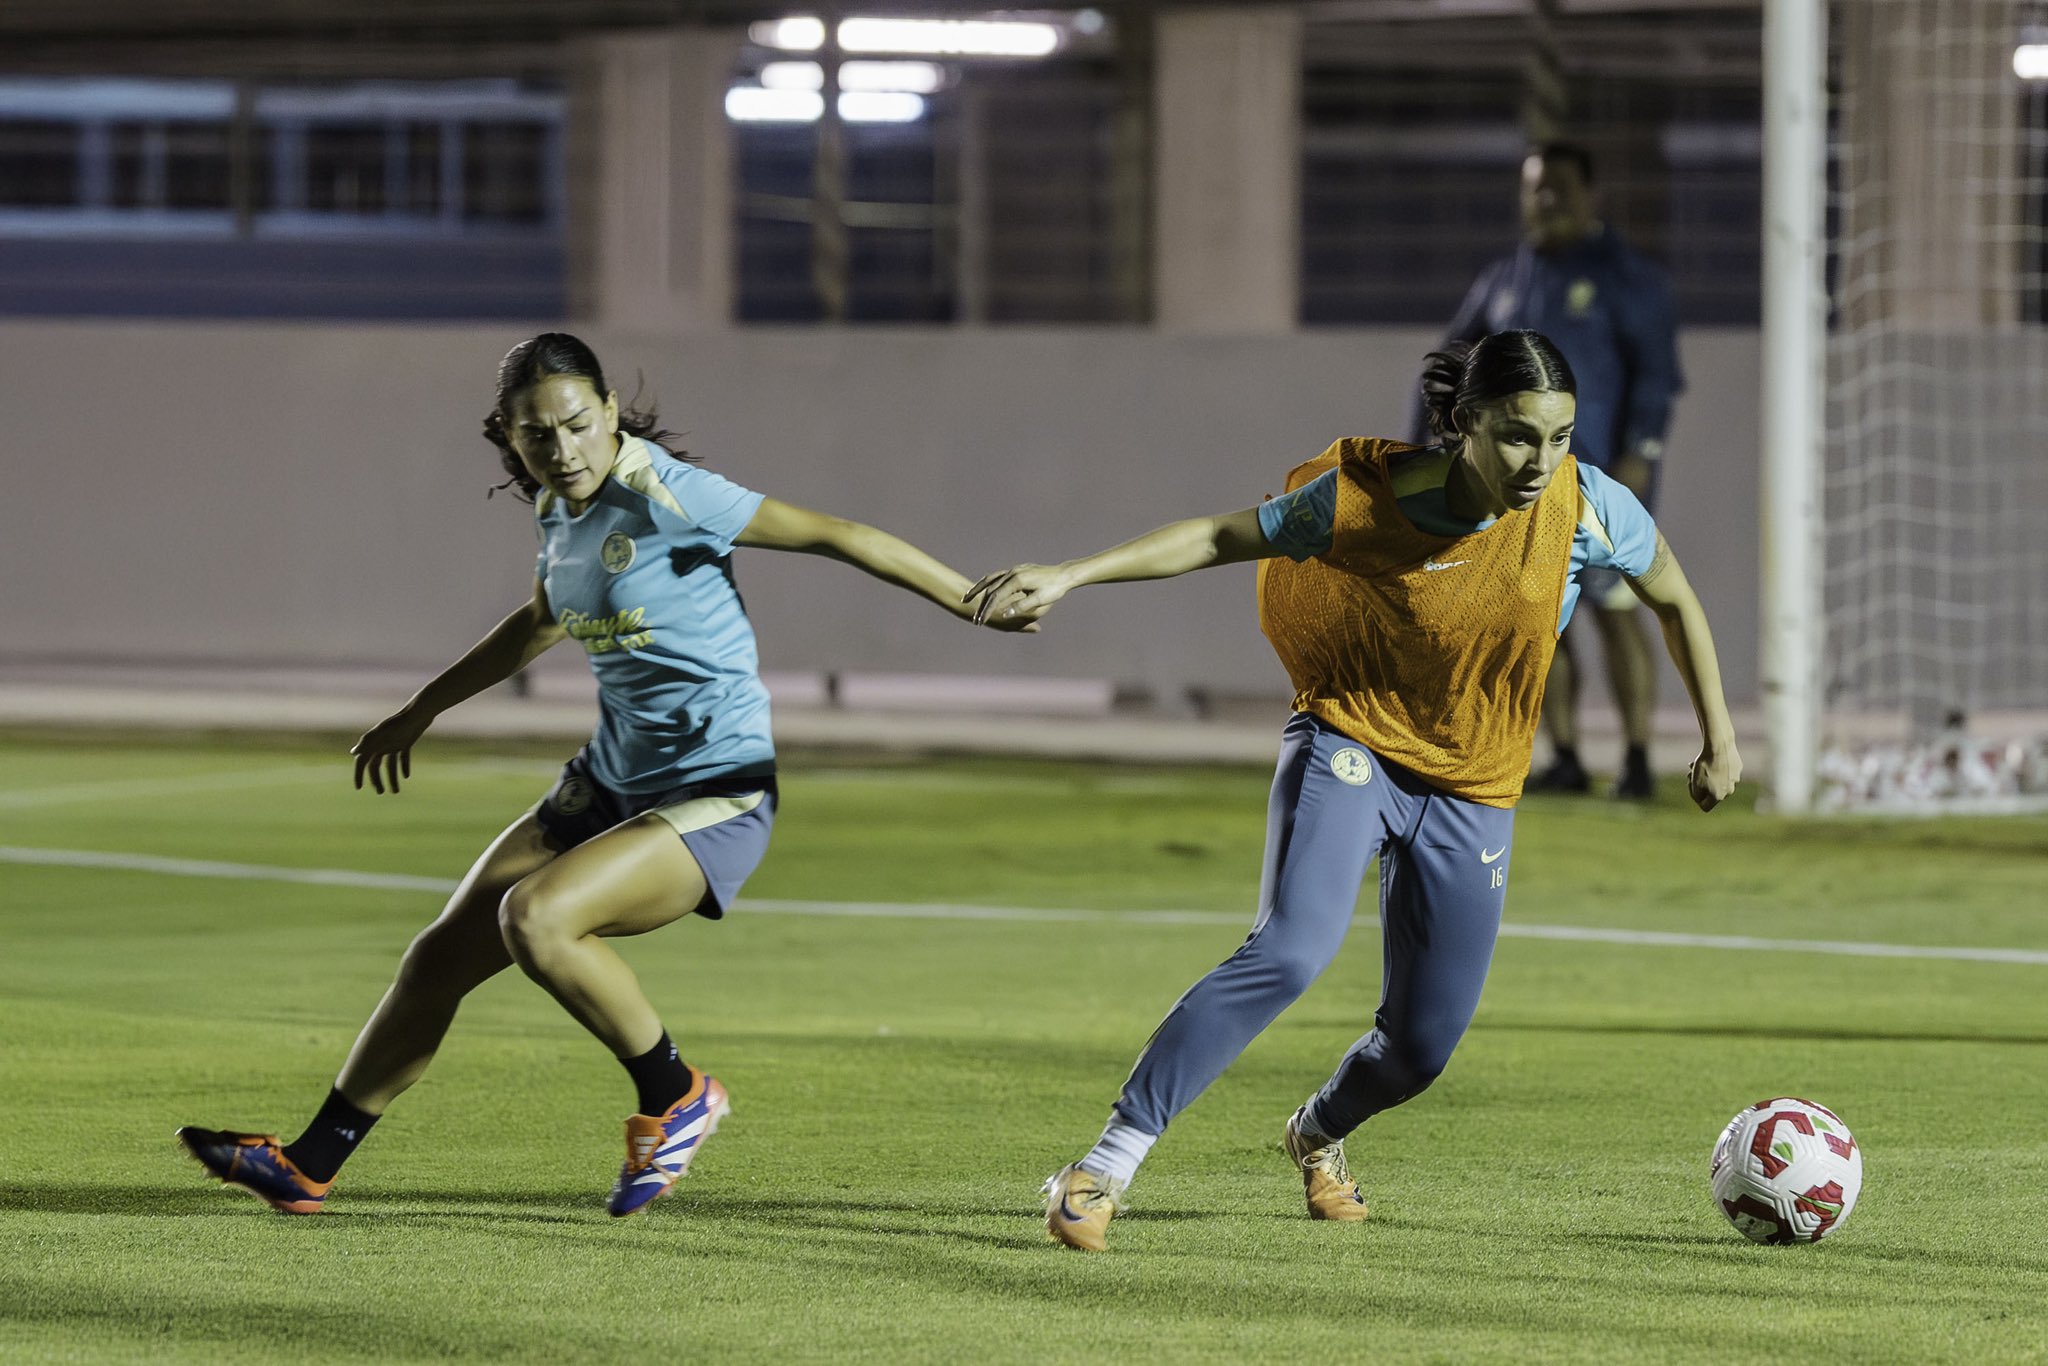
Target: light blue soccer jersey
1614,531
642,580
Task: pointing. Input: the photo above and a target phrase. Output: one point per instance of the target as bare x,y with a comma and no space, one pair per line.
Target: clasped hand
1015,598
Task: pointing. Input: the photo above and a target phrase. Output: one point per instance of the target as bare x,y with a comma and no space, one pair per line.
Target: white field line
970,782
130,789
916,779
244,872
881,777
543,771
893,910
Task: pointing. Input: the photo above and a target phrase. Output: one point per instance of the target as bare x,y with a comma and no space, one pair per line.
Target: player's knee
1297,972
444,961
1288,966
529,921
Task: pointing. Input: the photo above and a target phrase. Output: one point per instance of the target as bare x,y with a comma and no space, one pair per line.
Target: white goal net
1934,505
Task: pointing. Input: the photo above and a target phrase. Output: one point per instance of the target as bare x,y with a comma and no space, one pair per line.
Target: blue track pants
1443,879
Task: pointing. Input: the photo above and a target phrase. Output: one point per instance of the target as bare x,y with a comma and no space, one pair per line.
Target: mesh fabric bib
1430,650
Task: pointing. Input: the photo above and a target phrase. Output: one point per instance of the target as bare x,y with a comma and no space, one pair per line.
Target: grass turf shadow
570,1208
165,1201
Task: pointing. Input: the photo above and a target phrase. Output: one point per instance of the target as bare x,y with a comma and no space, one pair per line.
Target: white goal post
1905,403
1791,426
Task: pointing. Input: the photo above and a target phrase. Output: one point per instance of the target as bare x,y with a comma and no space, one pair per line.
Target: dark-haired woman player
1415,595
663,813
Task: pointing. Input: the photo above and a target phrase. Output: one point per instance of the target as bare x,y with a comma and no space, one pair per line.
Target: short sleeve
1620,535
1300,524
713,504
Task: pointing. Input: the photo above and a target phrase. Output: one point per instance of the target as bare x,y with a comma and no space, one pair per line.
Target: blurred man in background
1609,310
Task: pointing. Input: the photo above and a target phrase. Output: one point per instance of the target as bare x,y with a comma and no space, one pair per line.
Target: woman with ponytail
1415,595
663,814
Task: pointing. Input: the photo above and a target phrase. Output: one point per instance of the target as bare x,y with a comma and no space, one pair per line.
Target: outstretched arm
777,525
385,751
1665,590
1024,592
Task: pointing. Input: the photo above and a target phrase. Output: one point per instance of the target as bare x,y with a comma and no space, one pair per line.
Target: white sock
1311,1125
1118,1152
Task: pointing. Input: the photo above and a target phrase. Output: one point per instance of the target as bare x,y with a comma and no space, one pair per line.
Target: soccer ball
1787,1171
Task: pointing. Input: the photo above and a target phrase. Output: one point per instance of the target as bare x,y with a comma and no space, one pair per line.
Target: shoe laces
1329,1160
641,1148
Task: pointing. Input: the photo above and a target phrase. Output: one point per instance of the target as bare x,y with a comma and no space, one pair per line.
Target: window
505,172
38,163
345,167
999,203
201,198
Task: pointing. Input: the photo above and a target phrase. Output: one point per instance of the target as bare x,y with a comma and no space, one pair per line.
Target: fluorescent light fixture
939,37
2030,62
950,37
880,106
756,104
805,33
751,104
917,78
793,76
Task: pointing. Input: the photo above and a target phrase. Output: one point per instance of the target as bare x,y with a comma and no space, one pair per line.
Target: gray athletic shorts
724,823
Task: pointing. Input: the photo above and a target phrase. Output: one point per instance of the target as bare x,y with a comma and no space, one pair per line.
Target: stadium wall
292,494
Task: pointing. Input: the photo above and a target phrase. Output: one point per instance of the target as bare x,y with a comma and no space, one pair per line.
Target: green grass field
901,1086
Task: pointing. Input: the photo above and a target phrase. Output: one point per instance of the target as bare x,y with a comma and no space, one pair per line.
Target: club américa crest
572,796
1351,766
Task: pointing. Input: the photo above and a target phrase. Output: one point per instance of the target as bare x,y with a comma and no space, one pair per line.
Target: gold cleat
1079,1205
1332,1194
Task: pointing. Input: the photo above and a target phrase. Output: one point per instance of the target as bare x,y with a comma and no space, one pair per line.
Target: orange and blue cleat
256,1164
659,1149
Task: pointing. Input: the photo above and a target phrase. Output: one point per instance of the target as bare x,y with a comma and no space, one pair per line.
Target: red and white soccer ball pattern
1787,1171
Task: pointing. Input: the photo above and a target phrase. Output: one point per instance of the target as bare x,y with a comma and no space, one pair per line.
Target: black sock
334,1133
660,1075
1566,756
1637,760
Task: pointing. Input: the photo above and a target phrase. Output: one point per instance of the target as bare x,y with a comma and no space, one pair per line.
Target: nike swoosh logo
1069,1215
1443,564
1485,857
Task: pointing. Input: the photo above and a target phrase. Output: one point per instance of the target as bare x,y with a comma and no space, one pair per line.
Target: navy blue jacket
1609,310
